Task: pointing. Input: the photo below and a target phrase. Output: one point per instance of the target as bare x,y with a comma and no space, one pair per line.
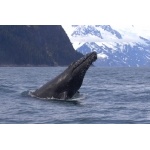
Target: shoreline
29,66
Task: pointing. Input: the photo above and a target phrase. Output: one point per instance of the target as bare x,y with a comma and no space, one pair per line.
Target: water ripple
107,96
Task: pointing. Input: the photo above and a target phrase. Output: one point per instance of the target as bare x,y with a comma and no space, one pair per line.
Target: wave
6,89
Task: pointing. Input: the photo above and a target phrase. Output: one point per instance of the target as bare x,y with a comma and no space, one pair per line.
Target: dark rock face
35,45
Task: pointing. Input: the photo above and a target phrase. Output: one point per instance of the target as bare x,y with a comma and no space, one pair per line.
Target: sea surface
107,96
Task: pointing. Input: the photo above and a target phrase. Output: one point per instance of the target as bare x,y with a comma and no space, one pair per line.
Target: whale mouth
85,61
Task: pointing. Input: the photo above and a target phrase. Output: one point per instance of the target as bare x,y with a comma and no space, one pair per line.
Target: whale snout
94,56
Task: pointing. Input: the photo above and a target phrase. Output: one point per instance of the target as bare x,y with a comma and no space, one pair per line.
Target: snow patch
102,56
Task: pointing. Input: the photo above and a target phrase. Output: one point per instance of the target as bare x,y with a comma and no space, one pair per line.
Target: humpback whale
67,84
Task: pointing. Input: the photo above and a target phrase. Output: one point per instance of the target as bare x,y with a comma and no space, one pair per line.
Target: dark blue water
107,95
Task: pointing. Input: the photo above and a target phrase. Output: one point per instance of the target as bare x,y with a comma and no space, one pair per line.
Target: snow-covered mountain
115,45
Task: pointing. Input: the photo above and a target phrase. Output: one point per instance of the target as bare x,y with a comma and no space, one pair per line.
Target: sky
118,12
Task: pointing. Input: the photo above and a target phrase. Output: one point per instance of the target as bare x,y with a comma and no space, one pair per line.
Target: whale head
76,71
79,68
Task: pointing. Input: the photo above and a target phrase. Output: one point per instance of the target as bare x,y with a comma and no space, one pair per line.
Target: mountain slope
35,45
116,46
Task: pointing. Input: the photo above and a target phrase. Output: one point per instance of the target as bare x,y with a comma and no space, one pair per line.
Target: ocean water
107,96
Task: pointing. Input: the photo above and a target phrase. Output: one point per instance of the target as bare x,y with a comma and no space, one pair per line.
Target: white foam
76,97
